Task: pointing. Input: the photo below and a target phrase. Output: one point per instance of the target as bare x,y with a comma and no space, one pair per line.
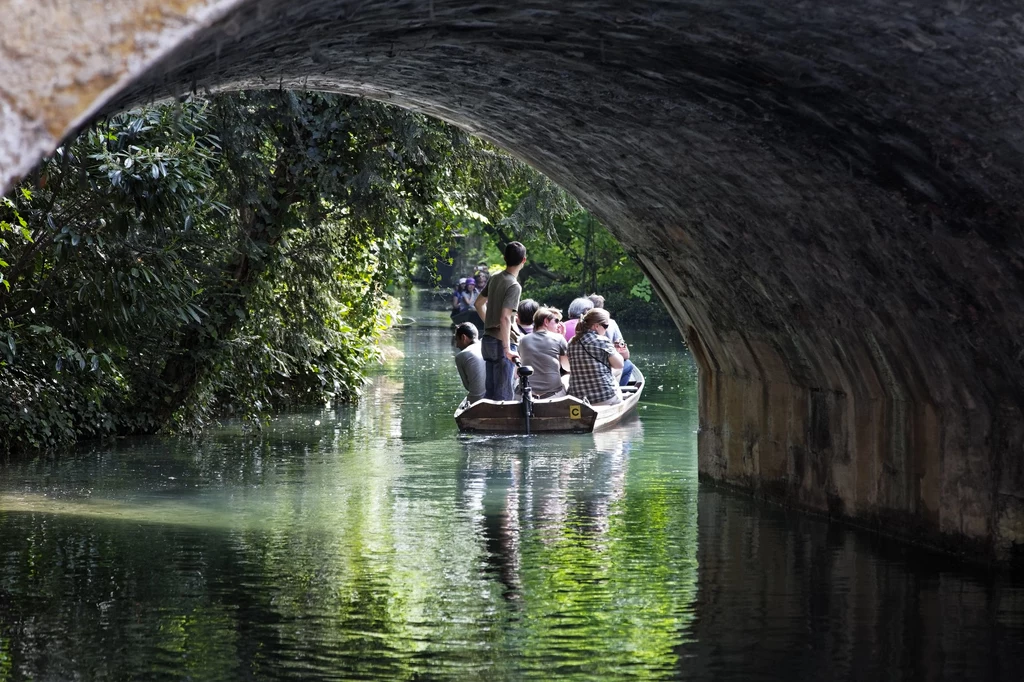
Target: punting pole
524,381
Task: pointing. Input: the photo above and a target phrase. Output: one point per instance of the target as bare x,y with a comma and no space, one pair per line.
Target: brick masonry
827,195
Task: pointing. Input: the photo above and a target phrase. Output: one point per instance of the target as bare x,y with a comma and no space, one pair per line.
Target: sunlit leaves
642,290
96,282
232,255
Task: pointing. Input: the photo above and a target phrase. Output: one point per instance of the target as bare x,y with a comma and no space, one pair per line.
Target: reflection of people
579,306
499,342
469,361
592,357
619,440
546,351
509,494
490,483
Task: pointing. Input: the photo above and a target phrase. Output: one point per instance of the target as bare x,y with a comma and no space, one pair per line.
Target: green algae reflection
372,542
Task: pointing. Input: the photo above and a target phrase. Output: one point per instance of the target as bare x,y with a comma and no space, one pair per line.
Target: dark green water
375,542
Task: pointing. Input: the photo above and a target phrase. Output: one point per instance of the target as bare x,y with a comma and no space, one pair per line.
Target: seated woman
458,303
592,357
578,307
463,299
546,351
469,294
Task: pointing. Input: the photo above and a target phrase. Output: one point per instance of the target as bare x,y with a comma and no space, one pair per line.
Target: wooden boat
467,316
550,415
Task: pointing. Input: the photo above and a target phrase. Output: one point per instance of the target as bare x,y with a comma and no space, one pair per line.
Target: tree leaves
232,254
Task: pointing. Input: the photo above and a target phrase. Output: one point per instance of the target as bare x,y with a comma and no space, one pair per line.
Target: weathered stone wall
828,196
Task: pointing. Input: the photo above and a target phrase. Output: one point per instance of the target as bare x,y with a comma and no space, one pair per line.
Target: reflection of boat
620,439
549,415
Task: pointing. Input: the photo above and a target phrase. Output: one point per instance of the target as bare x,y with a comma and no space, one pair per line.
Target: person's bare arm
505,333
615,361
563,360
481,306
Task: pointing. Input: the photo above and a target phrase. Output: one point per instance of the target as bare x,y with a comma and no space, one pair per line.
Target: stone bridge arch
827,196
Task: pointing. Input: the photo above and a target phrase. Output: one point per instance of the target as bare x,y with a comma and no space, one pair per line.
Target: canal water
376,542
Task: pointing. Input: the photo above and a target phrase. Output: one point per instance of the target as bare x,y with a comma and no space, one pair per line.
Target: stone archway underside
827,195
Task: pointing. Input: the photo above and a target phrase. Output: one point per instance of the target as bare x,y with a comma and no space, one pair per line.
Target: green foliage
642,290
333,197
176,263
179,262
579,249
570,254
97,276
16,226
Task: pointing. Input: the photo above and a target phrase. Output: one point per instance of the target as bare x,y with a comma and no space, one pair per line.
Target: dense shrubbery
628,310
569,253
178,262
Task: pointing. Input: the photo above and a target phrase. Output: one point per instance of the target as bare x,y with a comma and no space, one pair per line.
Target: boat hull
554,415
468,316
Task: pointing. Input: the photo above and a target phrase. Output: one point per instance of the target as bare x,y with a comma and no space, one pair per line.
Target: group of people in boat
588,346
464,296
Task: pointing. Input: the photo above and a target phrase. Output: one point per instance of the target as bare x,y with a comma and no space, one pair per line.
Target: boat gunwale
605,415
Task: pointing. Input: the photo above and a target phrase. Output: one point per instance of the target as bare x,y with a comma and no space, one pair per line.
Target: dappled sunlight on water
376,542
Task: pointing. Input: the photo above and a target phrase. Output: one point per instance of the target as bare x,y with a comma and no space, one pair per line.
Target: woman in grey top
547,352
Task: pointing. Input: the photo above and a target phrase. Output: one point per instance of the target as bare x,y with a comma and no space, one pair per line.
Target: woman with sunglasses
592,357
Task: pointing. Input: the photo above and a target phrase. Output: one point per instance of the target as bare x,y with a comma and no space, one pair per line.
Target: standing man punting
499,342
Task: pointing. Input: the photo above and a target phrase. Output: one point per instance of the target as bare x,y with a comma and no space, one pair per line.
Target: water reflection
784,596
375,542
569,488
